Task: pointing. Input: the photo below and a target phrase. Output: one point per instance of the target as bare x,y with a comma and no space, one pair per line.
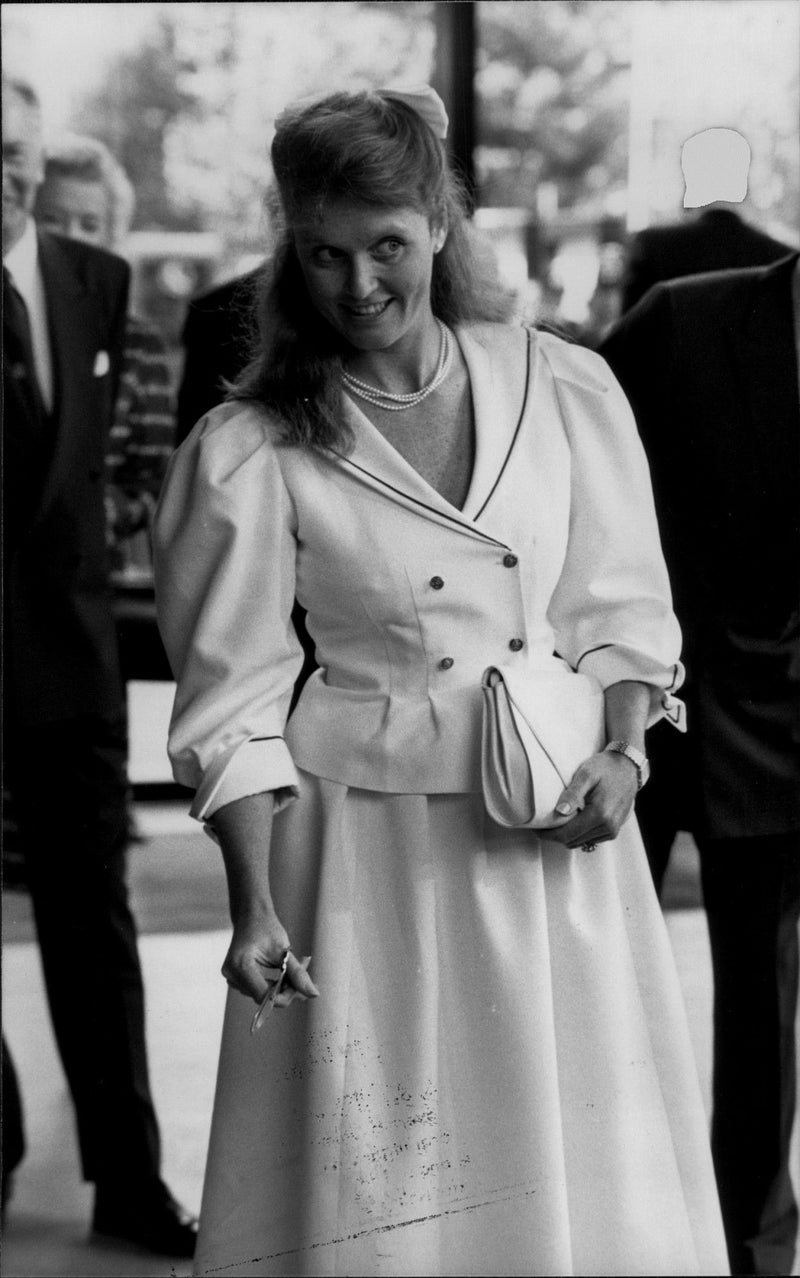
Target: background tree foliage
141,100
190,112
551,86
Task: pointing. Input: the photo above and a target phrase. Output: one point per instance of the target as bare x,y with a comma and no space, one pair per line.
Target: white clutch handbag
537,729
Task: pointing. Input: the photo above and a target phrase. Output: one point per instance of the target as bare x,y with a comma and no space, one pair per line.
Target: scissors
277,979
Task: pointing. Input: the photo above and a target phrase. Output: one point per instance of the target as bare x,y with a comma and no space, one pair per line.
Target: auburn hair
371,149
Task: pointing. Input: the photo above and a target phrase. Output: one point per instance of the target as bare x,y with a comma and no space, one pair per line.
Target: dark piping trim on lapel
597,648
440,514
501,471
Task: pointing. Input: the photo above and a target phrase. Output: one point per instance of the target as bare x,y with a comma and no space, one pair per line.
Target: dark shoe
152,1219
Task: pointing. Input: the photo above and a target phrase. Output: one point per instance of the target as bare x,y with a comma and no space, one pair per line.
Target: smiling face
368,271
75,207
22,163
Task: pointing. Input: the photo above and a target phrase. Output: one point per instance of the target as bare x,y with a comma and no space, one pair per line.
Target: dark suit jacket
710,367
718,240
216,340
60,644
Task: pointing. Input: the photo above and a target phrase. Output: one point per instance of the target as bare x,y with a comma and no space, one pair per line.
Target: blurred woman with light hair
86,195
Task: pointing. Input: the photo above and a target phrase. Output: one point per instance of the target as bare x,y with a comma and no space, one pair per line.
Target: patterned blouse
140,445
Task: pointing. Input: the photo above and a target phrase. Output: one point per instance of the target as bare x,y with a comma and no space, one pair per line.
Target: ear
439,229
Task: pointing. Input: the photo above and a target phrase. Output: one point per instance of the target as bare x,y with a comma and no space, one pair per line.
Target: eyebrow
386,233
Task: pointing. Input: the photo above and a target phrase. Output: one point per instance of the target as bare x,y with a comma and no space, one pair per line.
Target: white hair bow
425,101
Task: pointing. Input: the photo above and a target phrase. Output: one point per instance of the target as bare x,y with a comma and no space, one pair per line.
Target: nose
361,277
73,228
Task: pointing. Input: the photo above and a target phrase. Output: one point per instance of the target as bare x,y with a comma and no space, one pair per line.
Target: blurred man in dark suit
715,164
64,306
710,365
216,338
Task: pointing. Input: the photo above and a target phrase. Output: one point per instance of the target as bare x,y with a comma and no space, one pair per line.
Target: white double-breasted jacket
554,562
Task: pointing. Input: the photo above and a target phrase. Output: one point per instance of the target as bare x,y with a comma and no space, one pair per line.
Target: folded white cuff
615,663
251,767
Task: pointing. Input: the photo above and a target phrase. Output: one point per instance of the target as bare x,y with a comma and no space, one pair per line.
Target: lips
372,311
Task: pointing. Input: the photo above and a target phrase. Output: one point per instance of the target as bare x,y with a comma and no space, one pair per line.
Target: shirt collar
22,260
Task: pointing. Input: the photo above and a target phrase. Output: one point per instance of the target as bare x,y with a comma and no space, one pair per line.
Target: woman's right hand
258,945
259,942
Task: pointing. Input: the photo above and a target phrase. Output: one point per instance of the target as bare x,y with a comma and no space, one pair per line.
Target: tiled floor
46,1227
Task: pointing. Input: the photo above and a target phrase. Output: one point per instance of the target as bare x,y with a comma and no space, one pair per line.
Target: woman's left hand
596,803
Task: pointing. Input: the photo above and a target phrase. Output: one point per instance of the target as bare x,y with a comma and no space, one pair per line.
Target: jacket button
436,582
515,644
510,561
445,663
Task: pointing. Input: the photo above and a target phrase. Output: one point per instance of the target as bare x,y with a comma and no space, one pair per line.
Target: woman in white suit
490,1071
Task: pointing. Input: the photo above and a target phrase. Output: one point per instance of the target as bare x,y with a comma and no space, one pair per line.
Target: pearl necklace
396,403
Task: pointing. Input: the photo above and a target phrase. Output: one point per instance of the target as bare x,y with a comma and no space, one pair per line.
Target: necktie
18,345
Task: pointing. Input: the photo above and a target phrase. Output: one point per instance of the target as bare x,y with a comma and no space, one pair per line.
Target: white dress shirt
22,263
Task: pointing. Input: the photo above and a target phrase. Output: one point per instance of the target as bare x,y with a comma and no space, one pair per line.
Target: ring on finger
588,847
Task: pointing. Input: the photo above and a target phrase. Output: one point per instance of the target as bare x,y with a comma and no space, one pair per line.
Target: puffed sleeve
224,559
611,610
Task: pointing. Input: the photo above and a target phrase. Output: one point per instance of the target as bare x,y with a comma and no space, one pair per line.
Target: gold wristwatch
639,760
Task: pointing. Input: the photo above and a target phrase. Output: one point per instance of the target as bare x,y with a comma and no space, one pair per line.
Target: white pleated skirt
496,1078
